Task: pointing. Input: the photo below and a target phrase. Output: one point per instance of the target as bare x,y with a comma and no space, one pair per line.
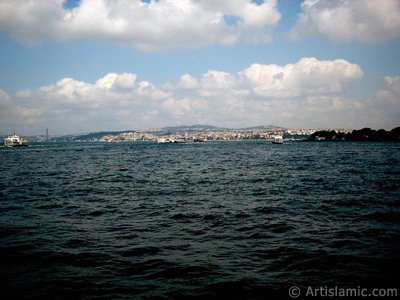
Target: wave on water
210,220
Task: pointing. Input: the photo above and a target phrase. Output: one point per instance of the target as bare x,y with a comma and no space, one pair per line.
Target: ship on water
278,139
15,141
171,141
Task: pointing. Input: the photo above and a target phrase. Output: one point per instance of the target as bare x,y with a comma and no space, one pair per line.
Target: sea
215,220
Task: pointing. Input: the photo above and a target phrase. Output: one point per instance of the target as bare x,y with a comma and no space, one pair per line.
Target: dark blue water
208,220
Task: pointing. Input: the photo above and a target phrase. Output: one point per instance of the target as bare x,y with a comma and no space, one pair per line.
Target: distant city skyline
91,65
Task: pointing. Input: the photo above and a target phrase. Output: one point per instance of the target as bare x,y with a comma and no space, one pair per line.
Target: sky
93,65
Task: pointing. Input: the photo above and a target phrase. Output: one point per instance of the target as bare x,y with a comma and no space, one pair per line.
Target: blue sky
91,65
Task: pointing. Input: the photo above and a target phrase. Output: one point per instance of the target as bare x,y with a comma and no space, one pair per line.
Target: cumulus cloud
70,102
186,81
124,81
107,90
153,25
290,95
308,76
345,20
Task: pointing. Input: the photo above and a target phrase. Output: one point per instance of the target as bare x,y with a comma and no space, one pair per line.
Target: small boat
179,140
199,140
15,141
170,141
164,141
278,139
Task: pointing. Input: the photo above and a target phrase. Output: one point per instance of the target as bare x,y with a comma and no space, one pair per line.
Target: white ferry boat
278,139
15,141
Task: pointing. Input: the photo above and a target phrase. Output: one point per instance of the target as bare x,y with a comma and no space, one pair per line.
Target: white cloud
382,110
347,20
30,115
308,76
108,89
124,81
158,24
187,82
70,102
216,83
177,108
290,95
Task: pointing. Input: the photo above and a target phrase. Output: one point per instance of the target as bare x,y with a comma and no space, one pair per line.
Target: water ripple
214,220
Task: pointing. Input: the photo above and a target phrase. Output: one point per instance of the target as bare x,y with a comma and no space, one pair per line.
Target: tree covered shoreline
365,134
